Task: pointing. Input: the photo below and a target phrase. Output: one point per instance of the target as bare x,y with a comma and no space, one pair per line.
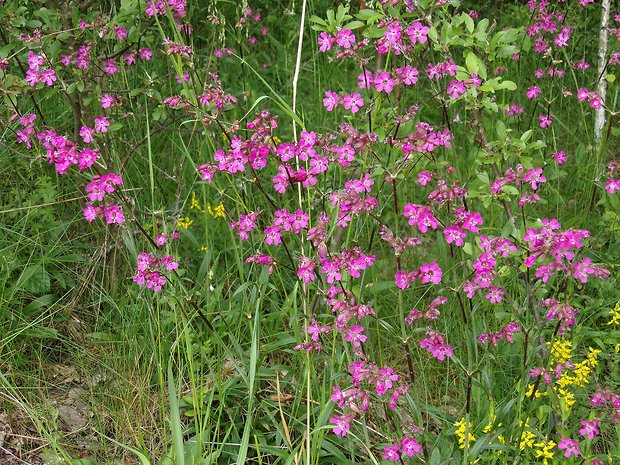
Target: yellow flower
561,351
530,390
185,222
464,430
527,440
217,212
194,204
204,248
544,450
615,315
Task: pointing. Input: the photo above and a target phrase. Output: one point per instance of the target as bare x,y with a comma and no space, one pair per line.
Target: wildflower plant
414,230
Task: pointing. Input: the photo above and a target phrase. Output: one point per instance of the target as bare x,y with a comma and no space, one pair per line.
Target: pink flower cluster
485,267
285,221
505,333
613,184
406,447
431,313
161,7
563,313
37,72
79,58
63,152
262,259
436,346
592,97
465,221
384,81
533,176
457,88
425,139
245,225
101,126
427,273
439,70
609,400
151,269
96,191
352,199
24,135
557,249
351,102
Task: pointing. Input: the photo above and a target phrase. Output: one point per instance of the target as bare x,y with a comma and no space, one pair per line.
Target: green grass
159,386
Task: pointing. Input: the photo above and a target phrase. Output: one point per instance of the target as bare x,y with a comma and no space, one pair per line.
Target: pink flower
102,124
87,134
612,186
417,33
342,424
48,77
545,120
272,235
559,157
495,295
121,33
365,80
145,54
456,89
390,453
355,335
569,446
325,41
533,92
306,269
352,102
430,272
454,234
107,101
331,100
424,177
384,82
345,38
590,428
161,239
110,67
434,344
409,446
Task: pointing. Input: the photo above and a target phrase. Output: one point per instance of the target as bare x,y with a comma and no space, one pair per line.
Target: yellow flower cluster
463,429
577,377
216,211
527,437
615,315
561,351
184,222
543,449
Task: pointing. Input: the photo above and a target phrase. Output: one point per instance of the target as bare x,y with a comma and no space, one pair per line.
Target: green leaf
353,25
37,279
469,22
508,85
368,15
316,19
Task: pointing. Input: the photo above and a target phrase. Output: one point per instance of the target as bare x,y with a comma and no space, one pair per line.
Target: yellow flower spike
561,351
544,450
204,248
194,204
527,440
615,315
185,222
461,430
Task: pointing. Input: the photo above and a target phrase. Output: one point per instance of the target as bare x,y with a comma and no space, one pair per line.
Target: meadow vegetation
309,232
